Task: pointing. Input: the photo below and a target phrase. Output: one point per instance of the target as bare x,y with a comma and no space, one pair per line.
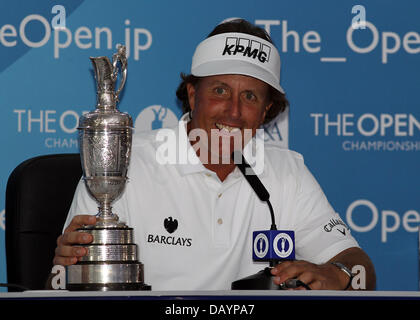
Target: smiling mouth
228,128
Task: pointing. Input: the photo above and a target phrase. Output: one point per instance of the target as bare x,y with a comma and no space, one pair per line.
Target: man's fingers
79,221
310,279
70,251
67,251
317,285
281,266
75,237
314,276
288,270
285,265
64,261
67,254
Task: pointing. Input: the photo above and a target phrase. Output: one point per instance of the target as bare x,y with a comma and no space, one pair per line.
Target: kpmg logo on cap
273,245
246,47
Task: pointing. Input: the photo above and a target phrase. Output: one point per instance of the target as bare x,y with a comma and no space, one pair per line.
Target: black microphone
268,245
254,182
250,176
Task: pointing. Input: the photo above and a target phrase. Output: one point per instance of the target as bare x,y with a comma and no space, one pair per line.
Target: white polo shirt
210,244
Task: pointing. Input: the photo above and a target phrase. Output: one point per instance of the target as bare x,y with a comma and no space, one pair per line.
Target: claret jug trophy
105,136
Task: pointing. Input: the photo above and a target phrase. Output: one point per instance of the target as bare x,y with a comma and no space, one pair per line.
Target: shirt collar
192,163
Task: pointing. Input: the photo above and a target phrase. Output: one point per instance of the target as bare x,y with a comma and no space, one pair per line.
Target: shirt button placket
221,231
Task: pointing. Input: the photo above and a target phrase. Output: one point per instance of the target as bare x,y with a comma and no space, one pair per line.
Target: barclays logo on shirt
170,225
169,240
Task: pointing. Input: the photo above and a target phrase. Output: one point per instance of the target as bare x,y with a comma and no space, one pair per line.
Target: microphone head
270,245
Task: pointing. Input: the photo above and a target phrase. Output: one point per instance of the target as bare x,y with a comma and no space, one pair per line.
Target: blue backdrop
351,74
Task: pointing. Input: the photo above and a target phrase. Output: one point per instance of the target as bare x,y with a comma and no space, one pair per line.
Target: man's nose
235,107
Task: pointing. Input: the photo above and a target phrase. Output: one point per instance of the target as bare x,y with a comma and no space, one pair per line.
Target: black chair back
39,193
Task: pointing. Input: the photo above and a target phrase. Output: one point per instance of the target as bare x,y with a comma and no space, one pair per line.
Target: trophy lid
106,115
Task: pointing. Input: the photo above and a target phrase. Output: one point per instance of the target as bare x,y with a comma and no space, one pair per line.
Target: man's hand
326,276
317,277
66,253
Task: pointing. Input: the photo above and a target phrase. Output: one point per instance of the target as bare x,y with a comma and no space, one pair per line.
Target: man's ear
267,107
191,95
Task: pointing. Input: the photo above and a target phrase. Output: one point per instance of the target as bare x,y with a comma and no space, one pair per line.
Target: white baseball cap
238,53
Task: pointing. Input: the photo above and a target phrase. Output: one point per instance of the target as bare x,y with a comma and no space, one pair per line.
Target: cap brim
213,68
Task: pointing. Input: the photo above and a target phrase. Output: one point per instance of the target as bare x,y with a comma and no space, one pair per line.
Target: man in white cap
194,219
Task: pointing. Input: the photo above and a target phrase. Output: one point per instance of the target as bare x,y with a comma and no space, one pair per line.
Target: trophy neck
105,80
106,101
106,218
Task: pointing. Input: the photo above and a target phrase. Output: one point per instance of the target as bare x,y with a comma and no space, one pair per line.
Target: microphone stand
262,280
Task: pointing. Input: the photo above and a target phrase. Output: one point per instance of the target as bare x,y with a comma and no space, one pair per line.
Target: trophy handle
122,58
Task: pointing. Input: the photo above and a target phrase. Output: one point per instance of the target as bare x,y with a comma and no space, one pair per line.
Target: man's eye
250,96
220,90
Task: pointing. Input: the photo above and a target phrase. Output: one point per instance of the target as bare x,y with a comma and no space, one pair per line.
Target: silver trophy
105,136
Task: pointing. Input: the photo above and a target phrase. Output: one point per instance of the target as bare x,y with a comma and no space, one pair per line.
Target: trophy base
262,280
109,287
110,262
85,276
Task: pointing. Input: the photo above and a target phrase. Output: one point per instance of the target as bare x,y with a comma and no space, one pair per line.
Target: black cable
303,284
273,219
293,284
255,183
14,286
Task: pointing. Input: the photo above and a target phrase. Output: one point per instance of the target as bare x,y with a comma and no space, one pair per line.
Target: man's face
228,105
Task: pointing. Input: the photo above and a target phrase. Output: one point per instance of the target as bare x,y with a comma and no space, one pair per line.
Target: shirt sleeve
320,232
82,203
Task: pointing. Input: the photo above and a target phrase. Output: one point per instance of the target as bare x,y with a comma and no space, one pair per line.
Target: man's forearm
353,257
